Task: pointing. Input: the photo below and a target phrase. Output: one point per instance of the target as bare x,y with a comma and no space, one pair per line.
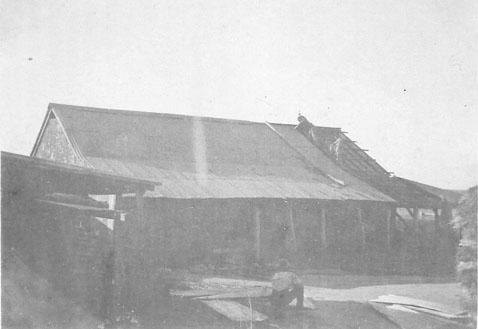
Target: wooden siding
54,145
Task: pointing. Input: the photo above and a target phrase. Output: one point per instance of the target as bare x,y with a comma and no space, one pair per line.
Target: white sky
400,76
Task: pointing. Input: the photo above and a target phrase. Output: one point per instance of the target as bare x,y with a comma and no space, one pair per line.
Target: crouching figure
286,286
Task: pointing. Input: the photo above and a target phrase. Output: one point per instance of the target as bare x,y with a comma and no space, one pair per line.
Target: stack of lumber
225,301
225,295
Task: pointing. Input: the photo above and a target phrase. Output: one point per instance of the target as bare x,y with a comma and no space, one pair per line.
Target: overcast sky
399,76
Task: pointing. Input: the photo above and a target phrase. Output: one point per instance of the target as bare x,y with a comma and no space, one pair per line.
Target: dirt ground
340,308
30,302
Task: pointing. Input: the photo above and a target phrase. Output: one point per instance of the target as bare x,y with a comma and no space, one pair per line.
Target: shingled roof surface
199,157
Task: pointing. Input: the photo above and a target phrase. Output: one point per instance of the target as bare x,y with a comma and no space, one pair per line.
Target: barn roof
351,156
451,196
355,160
201,157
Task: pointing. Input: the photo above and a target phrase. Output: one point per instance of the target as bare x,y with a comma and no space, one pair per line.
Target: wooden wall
55,146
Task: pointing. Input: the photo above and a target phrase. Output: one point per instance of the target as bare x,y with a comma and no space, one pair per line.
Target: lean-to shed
65,237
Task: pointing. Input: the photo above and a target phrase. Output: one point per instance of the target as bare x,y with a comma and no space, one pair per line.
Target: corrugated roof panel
241,159
190,185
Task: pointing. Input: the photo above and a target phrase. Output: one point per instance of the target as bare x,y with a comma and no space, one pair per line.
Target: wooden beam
120,282
389,228
140,204
363,241
140,222
292,225
436,239
257,220
323,228
362,228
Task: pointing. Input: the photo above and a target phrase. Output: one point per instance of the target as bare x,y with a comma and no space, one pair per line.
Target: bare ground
30,302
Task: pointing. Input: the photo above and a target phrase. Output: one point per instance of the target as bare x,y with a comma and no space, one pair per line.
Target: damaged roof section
346,154
198,157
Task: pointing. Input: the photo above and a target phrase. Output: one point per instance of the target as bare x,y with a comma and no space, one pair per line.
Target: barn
233,193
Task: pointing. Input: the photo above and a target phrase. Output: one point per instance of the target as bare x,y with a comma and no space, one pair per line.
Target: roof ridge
170,115
152,114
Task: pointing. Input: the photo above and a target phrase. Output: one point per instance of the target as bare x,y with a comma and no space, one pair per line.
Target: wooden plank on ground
198,292
253,292
235,311
448,316
408,301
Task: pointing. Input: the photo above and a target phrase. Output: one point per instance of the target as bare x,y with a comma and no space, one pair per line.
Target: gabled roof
201,157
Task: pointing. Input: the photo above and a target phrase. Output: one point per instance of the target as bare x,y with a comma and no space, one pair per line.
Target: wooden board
198,292
241,293
403,300
448,316
235,311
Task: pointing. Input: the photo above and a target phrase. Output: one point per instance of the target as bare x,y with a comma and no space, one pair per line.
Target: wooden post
417,224
436,240
140,204
362,228
119,280
419,250
323,228
391,226
139,270
363,242
140,222
257,220
436,223
292,226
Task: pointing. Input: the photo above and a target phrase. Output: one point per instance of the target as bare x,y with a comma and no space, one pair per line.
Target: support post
257,220
140,271
419,250
113,307
363,242
292,226
140,204
323,228
436,239
417,224
391,225
362,228
324,257
436,223
140,219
